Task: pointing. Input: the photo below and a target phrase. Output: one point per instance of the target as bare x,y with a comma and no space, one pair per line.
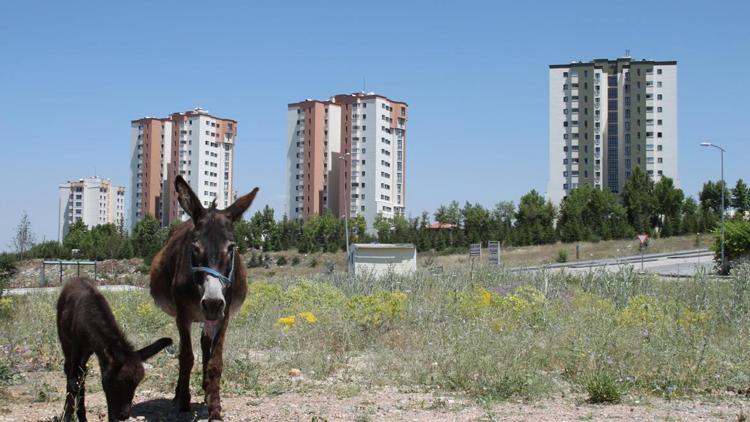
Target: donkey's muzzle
213,309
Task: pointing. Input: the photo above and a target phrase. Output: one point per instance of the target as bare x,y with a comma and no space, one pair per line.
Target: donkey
85,325
198,277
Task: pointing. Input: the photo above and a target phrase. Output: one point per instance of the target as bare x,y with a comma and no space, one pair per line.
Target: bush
254,261
295,261
736,241
7,269
373,311
281,261
314,262
602,389
562,256
50,249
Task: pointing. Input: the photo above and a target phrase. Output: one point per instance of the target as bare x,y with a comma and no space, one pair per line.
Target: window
659,109
565,74
659,97
658,71
658,84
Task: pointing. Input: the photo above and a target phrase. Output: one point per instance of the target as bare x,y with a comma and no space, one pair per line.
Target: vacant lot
430,347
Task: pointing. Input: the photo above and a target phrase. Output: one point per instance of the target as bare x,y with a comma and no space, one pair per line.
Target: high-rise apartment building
347,154
92,200
607,117
194,144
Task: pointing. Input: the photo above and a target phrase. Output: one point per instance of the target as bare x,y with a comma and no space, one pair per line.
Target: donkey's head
212,249
122,376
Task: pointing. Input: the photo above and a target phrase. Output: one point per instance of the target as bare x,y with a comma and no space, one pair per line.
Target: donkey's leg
81,398
182,392
206,355
71,387
215,367
75,366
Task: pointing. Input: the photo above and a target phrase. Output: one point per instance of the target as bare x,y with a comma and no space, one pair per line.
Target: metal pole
723,187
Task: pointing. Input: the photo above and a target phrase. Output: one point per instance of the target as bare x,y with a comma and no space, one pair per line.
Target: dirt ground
390,404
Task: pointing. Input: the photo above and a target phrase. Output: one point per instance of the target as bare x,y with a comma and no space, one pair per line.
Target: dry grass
511,256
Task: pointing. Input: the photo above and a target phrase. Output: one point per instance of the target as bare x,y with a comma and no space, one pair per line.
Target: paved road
679,263
35,290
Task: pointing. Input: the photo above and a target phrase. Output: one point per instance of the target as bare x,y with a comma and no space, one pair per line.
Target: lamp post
723,186
346,213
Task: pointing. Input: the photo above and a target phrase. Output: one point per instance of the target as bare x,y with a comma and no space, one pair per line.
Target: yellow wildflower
309,317
485,297
286,322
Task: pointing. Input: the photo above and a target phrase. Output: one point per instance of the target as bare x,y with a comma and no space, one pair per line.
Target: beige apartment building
92,200
194,144
347,154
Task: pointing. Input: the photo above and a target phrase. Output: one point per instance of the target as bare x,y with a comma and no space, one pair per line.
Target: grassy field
608,336
315,263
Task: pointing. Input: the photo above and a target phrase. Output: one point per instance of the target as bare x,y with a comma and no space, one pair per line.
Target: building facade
607,117
347,154
194,144
92,200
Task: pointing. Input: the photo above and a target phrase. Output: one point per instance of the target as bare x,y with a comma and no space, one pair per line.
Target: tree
690,216
710,196
147,238
23,240
534,220
450,214
501,220
476,221
571,225
668,206
637,197
588,213
741,197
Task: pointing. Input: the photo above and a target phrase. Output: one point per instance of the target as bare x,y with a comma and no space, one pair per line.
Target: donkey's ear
234,212
154,348
187,198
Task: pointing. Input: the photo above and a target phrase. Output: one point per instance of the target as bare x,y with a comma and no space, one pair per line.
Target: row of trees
587,214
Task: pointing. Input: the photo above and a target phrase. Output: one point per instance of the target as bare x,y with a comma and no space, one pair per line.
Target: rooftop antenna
627,52
364,84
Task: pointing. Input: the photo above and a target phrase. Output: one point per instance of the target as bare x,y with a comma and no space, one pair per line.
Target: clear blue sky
73,75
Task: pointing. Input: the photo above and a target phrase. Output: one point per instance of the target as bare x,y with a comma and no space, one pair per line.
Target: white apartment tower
92,200
607,117
194,144
347,154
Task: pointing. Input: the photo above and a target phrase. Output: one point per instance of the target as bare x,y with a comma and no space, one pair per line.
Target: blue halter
210,271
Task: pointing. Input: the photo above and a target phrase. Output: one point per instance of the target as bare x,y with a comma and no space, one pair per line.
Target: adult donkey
198,277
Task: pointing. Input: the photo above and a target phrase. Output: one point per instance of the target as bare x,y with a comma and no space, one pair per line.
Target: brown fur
176,289
85,325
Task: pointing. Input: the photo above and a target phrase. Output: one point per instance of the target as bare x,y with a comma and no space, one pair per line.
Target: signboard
475,249
493,246
643,238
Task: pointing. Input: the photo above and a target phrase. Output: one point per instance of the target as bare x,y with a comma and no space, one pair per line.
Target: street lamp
723,186
346,213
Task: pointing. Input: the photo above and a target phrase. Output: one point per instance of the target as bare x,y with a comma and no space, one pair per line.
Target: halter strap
210,271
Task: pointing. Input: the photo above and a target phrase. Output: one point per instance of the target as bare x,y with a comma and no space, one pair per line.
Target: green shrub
314,262
281,261
736,241
49,249
7,269
261,296
7,375
373,311
602,388
295,261
562,256
254,261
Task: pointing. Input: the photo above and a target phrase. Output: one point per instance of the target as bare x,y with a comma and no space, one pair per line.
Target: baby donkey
85,325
